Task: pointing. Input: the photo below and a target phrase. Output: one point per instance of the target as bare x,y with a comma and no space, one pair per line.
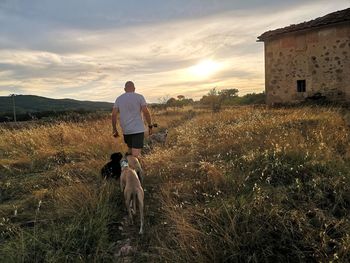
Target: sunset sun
204,69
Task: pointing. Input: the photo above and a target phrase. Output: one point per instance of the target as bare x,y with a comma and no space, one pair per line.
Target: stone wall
320,56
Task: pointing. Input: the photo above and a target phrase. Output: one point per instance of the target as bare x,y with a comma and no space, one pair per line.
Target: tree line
215,99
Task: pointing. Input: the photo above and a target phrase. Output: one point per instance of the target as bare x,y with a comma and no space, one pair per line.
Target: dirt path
133,247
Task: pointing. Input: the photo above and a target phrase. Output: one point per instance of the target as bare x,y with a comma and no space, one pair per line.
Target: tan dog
135,164
131,186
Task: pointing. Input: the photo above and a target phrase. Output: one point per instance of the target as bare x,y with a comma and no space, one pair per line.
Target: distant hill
29,107
31,104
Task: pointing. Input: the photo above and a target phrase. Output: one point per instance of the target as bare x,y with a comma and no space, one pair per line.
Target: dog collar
124,163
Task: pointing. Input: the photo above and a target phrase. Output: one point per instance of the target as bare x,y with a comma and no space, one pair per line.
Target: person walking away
131,106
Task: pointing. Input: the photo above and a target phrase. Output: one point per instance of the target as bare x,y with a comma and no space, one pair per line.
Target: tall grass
242,185
78,230
255,185
54,207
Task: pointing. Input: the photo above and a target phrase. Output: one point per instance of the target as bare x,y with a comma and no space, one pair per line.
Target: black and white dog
112,169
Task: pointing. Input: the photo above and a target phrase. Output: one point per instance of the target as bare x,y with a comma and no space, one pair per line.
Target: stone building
309,60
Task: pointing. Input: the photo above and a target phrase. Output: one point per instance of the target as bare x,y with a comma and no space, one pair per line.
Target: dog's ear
116,157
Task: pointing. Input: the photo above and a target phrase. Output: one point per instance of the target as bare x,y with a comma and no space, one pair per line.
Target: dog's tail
139,172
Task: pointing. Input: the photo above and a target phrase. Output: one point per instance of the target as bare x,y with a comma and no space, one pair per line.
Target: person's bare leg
137,154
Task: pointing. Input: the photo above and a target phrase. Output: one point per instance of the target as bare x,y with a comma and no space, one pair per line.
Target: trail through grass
54,206
242,185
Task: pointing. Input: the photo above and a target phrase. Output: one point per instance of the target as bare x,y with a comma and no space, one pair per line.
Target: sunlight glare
204,69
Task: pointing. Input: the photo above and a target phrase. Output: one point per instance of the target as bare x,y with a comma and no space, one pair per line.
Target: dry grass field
242,185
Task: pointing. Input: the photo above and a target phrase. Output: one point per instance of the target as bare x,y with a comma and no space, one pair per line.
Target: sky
88,49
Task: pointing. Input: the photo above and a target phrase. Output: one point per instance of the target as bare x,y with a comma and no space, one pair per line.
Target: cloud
95,14
51,49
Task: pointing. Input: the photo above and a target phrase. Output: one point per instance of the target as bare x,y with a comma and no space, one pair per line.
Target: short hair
129,84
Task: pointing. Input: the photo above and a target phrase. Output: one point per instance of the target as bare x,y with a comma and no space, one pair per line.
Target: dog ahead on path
159,137
112,169
131,186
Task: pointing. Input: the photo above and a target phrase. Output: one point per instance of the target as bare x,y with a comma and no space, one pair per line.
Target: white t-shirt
129,105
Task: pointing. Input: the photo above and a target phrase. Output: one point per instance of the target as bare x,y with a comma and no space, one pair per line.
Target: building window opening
301,85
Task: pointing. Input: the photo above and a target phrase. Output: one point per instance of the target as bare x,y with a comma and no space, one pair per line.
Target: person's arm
114,122
148,118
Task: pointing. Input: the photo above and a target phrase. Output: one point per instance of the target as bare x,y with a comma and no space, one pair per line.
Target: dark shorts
134,140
